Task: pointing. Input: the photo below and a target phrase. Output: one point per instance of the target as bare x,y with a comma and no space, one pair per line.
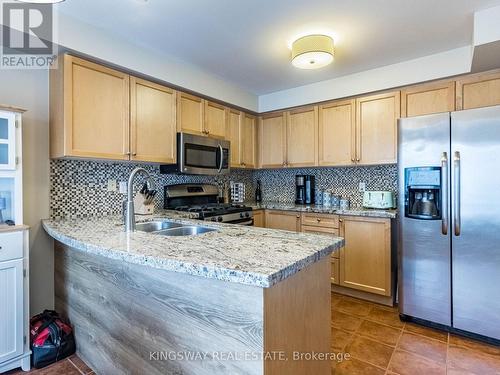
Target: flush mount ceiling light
312,51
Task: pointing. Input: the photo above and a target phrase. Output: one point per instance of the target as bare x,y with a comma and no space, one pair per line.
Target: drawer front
320,230
335,271
11,245
320,220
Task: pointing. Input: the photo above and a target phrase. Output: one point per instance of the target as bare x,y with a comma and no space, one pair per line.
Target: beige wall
29,89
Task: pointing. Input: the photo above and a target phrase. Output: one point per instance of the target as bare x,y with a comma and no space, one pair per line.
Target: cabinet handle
127,153
341,220
318,219
134,154
298,216
358,159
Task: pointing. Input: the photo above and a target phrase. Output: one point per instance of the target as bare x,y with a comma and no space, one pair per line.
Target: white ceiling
245,42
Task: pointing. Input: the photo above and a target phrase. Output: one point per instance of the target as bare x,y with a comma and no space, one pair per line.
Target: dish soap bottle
258,193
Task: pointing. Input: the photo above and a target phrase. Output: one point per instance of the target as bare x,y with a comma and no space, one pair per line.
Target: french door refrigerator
449,220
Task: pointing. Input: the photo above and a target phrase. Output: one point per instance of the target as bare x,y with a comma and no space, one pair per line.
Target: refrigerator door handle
444,193
456,193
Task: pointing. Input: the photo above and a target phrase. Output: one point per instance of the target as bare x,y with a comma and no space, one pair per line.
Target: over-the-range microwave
199,155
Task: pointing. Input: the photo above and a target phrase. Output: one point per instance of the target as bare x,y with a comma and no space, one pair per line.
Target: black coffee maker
304,189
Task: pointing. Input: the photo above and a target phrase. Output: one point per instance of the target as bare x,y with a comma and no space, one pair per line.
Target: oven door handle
221,162
241,222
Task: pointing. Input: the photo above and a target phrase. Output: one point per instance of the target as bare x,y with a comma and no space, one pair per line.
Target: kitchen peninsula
143,302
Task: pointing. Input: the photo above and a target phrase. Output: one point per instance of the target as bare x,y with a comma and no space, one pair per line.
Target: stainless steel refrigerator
449,220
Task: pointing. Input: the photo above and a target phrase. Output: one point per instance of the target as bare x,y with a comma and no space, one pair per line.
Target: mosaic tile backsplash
278,185
79,187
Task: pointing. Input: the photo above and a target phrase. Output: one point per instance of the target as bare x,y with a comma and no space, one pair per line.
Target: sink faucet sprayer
129,203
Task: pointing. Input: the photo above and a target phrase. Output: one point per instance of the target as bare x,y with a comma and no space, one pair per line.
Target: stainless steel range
202,199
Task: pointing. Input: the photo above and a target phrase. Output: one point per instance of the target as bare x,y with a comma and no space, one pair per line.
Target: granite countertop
355,211
234,253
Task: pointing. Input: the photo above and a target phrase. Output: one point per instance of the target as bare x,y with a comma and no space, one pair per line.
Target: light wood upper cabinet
152,122
89,110
248,143
365,260
215,120
428,98
190,114
376,125
478,90
233,135
272,140
337,133
302,137
284,220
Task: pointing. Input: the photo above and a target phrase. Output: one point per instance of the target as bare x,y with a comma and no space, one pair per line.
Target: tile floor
378,343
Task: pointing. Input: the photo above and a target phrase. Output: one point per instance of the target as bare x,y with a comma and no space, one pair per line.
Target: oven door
203,155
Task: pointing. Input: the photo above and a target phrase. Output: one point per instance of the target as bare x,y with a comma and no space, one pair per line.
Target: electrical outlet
362,187
123,187
111,185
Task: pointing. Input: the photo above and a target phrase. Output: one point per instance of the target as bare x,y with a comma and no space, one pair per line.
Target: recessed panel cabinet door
153,122
365,259
337,138
272,140
284,220
302,137
376,122
11,309
478,90
190,117
248,142
428,98
96,110
215,120
233,135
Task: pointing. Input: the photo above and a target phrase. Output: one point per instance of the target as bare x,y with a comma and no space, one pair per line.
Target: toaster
379,199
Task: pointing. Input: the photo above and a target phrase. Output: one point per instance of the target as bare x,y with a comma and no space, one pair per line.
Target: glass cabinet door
7,140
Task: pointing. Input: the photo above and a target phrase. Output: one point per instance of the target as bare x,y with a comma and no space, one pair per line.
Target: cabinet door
478,90
153,122
376,122
365,260
7,140
272,135
233,135
190,114
259,219
248,142
96,110
334,277
337,133
428,98
12,309
284,220
215,120
302,137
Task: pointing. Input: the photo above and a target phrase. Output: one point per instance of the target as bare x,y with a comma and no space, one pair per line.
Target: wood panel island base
135,319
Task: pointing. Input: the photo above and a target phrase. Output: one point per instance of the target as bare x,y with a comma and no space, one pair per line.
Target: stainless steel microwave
200,155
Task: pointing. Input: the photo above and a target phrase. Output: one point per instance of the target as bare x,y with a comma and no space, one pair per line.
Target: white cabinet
7,140
14,302
11,310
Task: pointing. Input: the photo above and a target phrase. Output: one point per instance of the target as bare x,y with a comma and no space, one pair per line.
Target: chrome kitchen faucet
129,203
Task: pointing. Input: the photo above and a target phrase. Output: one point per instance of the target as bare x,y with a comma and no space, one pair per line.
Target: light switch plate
123,187
111,185
362,187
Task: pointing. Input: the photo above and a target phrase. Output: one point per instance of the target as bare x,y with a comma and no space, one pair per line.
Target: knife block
142,208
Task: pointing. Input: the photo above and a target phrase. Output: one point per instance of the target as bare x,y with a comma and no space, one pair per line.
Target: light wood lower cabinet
478,90
259,218
284,220
428,98
152,122
365,260
334,277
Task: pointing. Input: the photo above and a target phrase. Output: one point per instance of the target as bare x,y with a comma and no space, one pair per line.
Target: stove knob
247,214
241,215
213,219
219,219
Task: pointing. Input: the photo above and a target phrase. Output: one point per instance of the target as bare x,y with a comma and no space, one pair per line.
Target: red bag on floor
51,339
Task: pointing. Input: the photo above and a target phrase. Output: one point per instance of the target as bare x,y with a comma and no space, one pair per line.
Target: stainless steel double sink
170,228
